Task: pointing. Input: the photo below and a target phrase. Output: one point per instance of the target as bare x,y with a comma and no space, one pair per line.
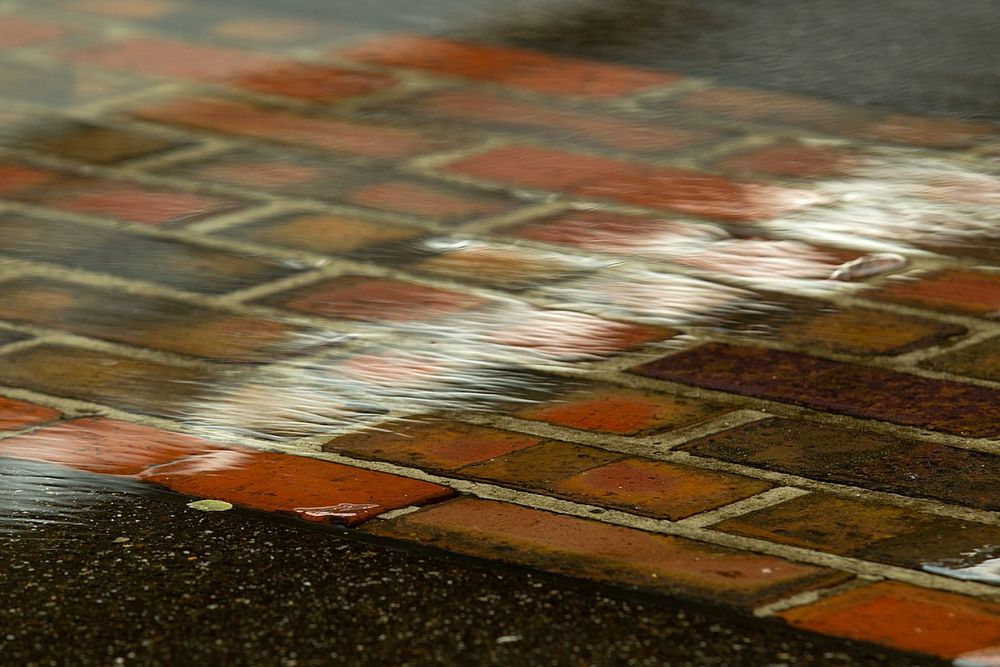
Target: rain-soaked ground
693,303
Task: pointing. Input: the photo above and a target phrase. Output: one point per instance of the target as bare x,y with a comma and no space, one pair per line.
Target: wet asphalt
122,576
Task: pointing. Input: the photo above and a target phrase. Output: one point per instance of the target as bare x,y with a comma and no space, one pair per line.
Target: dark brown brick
145,321
121,382
953,290
323,232
981,360
541,466
865,331
840,387
126,255
859,458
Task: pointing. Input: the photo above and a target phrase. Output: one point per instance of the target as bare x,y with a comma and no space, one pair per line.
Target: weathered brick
904,617
657,489
952,290
492,112
930,132
424,199
859,458
864,529
305,487
620,410
322,233
177,264
681,190
313,83
431,444
118,381
295,129
792,159
583,548
865,331
16,31
145,321
540,467
373,299
507,66
105,446
176,59
16,414
80,141
835,386
981,360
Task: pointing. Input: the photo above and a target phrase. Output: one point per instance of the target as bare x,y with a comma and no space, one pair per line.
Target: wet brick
176,59
866,530
81,141
953,291
322,233
16,414
864,331
583,548
145,321
835,386
493,112
431,444
17,32
858,458
126,255
507,66
118,381
620,410
679,190
539,467
373,299
791,159
305,487
657,489
505,267
424,199
904,617
308,82
295,129
105,446
981,360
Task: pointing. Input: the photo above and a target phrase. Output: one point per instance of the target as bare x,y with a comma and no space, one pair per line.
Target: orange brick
904,617
439,445
161,57
15,414
16,32
791,159
621,410
583,548
313,83
953,290
680,190
424,199
323,233
105,446
15,178
285,127
306,487
541,466
864,331
508,66
657,489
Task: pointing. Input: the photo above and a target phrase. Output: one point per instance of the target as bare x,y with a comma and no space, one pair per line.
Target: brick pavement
562,314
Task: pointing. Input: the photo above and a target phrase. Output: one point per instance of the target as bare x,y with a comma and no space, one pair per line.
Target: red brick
115,380
105,446
904,617
15,414
185,60
313,83
870,460
860,391
146,321
569,334
17,178
323,233
953,290
432,444
981,360
619,410
285,127
680,190
542,466
582,548
16,31
308,488
178,264
424,199
507,267
792,159
657,489
930,132
374,299
493,112
508,66
864,331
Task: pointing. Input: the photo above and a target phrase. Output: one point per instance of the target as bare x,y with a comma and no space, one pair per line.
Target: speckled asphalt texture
119,578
